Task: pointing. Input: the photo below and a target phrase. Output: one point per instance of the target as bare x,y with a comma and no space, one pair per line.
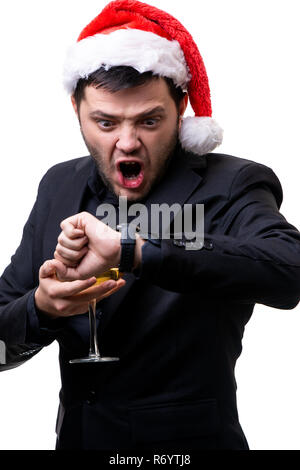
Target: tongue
131,181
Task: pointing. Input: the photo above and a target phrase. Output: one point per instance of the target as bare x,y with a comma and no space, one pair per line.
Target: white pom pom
200,135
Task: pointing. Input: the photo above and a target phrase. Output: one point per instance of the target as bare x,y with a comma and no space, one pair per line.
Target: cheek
162,139
98,139
159,138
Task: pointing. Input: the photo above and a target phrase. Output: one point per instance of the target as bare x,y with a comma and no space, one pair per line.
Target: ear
74,104
182,107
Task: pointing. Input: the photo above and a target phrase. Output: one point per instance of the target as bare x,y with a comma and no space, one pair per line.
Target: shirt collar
98,188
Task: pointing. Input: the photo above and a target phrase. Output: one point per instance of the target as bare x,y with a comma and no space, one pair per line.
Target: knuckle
71,263
60,237
59,258
61,307
47,264
51,292
79,254
58,248
68,291
73,255
81,242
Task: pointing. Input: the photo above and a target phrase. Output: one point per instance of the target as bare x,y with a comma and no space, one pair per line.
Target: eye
151,122
104,124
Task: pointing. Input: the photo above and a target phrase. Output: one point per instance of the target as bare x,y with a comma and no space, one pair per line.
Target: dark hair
121,77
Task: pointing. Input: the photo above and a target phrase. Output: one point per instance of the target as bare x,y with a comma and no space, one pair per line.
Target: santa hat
131,33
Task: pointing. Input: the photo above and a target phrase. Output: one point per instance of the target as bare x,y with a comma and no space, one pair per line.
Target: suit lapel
67,202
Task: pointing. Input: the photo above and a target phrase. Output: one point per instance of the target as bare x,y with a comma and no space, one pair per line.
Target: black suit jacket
177,326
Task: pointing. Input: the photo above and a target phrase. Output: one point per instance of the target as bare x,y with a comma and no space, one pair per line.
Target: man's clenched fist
88,247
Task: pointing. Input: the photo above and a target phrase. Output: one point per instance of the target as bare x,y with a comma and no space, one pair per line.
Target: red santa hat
131,33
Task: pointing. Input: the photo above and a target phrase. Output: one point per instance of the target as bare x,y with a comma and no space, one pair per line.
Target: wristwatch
128,239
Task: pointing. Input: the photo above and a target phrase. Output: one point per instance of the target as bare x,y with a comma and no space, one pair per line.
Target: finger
64,273
66,262
74,226
73,244
120,283
48,269
71,255
70,289
69,227
96,292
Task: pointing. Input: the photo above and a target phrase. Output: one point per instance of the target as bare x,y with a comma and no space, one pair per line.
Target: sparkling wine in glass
94,353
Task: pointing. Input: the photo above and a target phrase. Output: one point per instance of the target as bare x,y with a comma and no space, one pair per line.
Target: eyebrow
157,109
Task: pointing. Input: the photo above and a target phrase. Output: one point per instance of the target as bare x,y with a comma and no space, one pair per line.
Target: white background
251,52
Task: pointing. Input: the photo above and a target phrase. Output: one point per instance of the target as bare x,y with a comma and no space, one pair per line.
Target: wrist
118,250
106,244
41,307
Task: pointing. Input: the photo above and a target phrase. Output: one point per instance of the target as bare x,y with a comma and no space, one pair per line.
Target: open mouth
130,173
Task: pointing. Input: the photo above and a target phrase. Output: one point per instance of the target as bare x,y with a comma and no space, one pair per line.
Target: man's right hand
61,299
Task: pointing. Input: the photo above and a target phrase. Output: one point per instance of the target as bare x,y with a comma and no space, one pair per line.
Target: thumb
54,267
49,267
65,273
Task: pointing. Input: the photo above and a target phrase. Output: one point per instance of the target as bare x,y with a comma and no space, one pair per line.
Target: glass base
93,359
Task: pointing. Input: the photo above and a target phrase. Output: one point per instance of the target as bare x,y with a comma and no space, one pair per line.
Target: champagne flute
94,354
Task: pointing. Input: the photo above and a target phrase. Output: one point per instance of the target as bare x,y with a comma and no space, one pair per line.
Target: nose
128,140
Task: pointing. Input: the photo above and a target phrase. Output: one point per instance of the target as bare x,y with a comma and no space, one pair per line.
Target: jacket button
208,245
91,397
178,242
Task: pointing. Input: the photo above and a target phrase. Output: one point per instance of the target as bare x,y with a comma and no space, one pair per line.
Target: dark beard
167,153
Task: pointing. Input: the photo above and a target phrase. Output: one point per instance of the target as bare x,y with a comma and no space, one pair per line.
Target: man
177,317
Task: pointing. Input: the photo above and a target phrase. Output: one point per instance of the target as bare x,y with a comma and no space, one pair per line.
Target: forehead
130,101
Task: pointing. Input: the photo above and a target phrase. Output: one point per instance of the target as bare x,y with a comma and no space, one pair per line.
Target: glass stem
94,349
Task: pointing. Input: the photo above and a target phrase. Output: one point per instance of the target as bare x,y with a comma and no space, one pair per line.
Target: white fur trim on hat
200,135
142,50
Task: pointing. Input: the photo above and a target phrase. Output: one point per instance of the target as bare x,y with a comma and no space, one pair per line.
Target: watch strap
128,240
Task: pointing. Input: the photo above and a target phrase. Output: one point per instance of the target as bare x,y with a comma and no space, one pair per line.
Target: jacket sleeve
20,333
253,257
